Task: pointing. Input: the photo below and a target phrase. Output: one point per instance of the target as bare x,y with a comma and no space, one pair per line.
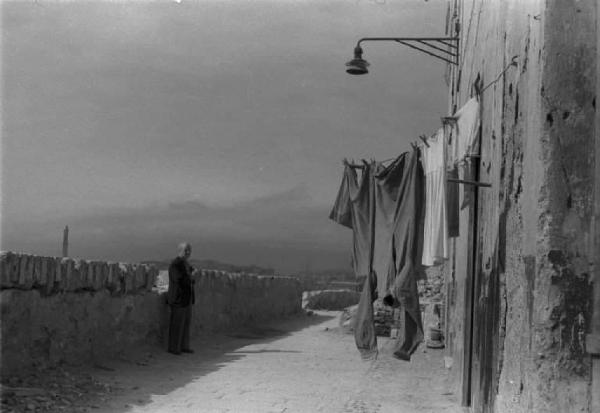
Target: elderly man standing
180,298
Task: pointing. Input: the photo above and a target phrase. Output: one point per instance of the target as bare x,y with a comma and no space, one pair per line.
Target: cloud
285,230
223,122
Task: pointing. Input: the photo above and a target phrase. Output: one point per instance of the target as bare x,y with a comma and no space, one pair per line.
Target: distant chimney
65,251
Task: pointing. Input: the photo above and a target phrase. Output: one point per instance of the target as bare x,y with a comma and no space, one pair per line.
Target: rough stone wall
332,300
61,310
533,241
225,301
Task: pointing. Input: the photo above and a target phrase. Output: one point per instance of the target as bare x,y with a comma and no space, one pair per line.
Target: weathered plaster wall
533,251
58,310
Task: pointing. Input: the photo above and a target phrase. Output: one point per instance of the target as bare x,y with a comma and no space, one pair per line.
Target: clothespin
424,139
414,145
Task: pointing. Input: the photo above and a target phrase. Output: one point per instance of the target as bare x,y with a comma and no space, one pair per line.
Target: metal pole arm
443,48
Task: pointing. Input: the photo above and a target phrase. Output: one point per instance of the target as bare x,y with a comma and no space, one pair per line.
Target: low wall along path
56,310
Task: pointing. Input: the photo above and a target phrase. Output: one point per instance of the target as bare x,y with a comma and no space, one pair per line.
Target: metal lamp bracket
443,48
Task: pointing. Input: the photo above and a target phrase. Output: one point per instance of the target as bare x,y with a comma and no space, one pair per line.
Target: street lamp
444,48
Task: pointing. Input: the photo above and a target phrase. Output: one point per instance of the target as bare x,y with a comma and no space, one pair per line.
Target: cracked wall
532,251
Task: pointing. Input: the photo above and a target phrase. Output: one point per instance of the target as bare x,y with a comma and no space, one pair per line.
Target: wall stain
572,312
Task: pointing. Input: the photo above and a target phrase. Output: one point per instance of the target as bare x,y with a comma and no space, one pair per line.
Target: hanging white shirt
466,130
435,236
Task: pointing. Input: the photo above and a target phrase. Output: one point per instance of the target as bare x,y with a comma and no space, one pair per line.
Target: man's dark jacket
181,290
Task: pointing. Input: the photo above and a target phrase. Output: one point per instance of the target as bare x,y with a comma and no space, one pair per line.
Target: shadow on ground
162,373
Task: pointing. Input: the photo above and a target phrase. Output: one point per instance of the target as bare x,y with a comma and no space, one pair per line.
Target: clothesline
468,113
458,181
513,62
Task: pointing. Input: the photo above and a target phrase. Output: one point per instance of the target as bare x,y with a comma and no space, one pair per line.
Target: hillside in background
208,264
310,280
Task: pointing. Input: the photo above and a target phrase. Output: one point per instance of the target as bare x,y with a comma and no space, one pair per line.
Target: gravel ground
305,364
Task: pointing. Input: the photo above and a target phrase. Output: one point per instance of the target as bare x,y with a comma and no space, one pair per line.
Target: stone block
50,275
15,268
88,279
26,272
151,276
122,278
46,265
113,279
66,269
76,275
39,271
87,275
57,278
100,275
128,272
6,269
140,277
90,275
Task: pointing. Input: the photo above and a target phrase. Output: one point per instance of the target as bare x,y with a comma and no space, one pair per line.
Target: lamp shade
357,66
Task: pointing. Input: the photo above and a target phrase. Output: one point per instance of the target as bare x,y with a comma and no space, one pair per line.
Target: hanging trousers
179,328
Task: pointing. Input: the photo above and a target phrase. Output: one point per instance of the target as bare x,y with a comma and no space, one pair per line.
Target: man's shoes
187,350
402,355
177,353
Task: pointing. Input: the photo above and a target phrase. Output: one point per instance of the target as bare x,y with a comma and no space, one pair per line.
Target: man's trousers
179,328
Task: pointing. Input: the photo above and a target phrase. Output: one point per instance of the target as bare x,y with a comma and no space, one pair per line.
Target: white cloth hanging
466,129
435,236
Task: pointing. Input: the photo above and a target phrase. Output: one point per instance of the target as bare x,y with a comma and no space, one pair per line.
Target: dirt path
304,365
301,365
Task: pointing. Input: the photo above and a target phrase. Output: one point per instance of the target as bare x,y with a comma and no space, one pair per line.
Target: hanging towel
467,129
435,237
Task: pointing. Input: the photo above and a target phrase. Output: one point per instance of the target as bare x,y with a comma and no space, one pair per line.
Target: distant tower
65,252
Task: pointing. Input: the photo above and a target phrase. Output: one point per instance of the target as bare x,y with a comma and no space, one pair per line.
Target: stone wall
62,310
331,300
518,286
225,301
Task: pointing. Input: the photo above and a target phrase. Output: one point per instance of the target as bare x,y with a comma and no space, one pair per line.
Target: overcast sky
139,124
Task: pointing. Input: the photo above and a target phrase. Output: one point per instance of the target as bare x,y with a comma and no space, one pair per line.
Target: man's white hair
182,246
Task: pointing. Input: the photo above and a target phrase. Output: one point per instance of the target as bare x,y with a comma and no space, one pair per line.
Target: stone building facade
521,321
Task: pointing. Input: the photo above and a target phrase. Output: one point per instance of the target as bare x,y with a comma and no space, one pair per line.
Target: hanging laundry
467,130
452,188
399,201
452,203
355,208
435,237
392,263
365,336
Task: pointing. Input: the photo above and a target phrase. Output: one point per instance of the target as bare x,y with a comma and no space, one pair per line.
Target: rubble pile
383,319
432,289
332,300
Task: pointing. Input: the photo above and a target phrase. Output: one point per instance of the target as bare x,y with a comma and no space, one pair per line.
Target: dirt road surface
301,365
